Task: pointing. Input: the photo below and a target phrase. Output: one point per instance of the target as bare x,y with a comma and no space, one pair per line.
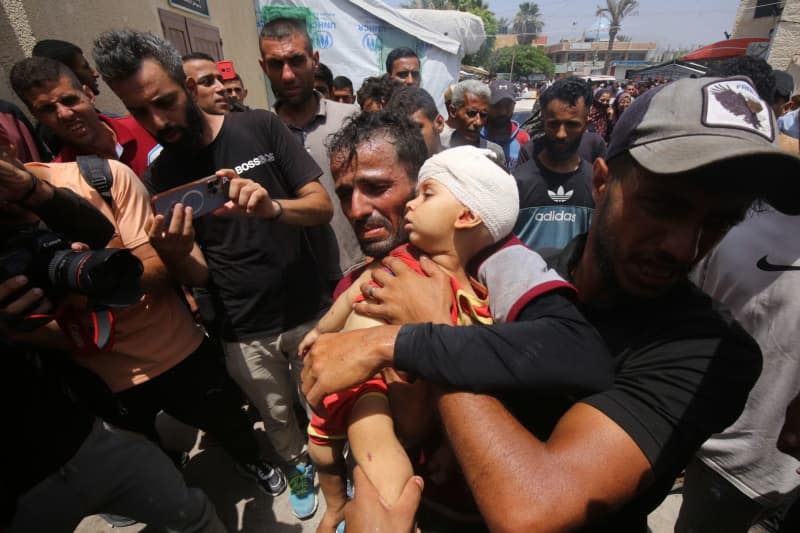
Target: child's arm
336,317
334,320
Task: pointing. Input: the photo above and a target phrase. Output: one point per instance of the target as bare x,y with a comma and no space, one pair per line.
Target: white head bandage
478,183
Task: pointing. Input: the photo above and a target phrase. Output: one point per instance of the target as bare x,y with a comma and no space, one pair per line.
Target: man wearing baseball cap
784,85
685,164
499,128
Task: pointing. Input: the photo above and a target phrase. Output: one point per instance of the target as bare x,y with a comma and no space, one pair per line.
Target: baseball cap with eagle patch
693,123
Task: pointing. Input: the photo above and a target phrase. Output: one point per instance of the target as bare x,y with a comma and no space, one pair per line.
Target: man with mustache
289,61
468,110
58,100
263,276
403,65
555,196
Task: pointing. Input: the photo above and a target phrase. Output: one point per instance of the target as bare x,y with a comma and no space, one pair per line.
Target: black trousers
198,392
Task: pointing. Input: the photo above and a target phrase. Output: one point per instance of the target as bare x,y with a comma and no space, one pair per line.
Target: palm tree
503,25
527,22
615,11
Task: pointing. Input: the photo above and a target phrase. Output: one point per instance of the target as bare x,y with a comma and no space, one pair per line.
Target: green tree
526,60
503,24
527,22
615,11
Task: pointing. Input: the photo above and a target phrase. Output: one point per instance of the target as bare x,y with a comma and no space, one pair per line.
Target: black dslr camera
108,277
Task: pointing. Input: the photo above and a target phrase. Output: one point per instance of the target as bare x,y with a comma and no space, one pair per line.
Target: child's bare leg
332,471
376,448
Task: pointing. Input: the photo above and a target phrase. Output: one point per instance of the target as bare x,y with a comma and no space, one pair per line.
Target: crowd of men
610,366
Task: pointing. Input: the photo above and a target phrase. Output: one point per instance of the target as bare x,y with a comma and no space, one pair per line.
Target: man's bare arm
341,360
156,275
367,512
587,468
311,205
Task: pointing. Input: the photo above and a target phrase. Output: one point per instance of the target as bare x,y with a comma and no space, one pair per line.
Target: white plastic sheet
463,27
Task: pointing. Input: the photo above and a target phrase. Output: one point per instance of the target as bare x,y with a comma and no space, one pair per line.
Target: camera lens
109,276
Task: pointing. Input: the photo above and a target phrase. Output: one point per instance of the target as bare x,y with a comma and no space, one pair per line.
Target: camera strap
97,173
95,339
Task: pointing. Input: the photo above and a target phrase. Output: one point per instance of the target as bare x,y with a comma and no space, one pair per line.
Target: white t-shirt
755,271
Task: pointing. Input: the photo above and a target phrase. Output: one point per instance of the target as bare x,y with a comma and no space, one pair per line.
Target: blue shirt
790,124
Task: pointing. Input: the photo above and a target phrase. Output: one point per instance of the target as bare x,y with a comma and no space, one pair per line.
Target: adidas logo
559,196
561,216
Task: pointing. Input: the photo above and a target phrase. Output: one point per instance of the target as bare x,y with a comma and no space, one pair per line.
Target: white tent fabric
463,27
410,25
353,38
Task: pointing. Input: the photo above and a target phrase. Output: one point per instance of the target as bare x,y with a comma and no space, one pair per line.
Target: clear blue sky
673,23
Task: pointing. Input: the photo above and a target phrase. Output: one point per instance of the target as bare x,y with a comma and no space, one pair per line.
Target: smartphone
203,196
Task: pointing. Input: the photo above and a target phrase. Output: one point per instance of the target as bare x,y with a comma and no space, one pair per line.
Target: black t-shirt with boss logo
263,275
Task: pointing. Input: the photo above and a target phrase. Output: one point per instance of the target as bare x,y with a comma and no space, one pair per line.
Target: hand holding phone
202,196
222,194
248,197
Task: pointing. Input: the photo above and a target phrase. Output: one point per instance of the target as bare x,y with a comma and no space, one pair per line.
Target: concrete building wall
582,58
785,48
80,21
746,25
783,31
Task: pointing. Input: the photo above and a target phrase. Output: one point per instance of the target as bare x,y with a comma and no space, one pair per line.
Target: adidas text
561,216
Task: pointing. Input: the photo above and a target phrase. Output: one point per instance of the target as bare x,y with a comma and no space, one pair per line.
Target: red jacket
139,148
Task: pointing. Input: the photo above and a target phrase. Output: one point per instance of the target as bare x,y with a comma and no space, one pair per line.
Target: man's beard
380,249
192,133
498,123
605,250
300,98
561,151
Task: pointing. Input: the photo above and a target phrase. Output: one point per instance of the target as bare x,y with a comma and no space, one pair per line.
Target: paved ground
241,506
245,509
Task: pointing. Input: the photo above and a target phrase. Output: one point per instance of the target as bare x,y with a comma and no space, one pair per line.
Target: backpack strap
97,173
100,337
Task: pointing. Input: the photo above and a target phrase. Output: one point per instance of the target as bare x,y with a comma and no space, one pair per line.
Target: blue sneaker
301,490
340,527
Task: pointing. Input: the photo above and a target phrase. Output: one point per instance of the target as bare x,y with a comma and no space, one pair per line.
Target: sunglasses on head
403,74
472,113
